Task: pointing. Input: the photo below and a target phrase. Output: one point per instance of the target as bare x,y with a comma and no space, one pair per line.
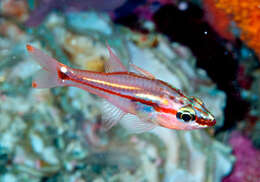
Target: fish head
189,113
195,114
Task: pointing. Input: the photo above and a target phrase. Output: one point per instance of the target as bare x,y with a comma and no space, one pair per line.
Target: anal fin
133,124
111,115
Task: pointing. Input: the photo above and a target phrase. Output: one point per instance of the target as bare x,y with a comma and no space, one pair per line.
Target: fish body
138,99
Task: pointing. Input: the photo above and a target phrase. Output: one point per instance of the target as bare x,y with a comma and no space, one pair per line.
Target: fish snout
206,122
213,122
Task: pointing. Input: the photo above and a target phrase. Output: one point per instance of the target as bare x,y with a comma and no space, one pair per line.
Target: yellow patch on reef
2,78
84,52
246,14
144,40
95,65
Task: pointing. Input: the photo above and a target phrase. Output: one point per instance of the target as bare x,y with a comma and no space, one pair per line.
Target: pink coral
247,165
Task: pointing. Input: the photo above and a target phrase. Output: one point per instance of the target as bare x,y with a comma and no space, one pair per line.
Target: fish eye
186,114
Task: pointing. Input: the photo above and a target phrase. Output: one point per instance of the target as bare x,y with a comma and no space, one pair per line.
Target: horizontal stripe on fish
154,104
120,86
140,96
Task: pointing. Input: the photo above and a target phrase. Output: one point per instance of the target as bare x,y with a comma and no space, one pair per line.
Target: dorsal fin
141,71
114,64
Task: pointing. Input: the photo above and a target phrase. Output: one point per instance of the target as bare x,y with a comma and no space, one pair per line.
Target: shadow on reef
190,28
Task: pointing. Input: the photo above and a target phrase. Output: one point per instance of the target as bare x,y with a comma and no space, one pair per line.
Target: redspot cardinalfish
137,99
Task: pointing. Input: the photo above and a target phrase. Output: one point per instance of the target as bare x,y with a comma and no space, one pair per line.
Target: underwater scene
129,90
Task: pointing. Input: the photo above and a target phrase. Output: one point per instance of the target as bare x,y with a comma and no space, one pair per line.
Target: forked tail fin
47,77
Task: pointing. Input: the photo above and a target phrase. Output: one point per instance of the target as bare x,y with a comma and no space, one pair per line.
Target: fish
136,99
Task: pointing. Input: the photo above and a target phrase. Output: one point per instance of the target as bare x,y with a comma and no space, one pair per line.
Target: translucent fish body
137,99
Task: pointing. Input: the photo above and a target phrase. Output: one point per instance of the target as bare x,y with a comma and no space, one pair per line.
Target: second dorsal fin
114,64
142,71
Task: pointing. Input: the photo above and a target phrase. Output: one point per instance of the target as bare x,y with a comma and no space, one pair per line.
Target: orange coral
246,14
14,8
218,19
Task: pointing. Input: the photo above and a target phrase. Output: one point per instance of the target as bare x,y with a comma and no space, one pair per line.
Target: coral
246,14
247,164
47,6
54,134
218,19
15,9
255,134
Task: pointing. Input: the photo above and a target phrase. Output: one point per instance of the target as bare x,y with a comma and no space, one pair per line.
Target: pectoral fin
111,115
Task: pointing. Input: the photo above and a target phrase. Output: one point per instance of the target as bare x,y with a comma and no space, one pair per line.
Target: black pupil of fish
186,117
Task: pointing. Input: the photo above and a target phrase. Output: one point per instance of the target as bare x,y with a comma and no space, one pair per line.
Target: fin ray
47,77
111,115
45,61
44,79
113,64
133,124
142,71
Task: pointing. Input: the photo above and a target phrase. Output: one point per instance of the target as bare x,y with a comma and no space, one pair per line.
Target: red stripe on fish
150,103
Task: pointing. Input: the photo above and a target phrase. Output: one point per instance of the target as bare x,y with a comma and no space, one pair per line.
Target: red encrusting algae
34,85
246,15
29,48
218,19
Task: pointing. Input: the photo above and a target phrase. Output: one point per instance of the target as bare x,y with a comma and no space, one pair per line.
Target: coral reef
47,6
13,8
252,127
218,19
246,14
247,164
54,134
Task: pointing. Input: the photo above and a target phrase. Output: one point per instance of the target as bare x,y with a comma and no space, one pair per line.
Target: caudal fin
48,76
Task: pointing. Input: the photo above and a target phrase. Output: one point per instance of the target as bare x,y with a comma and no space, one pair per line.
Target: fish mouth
206,122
